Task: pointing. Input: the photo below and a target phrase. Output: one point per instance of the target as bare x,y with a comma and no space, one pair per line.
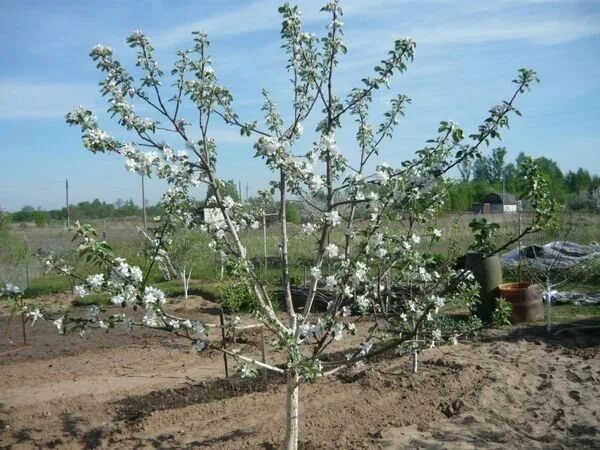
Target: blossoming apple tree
378,272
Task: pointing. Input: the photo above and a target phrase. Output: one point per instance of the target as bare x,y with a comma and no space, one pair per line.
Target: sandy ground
506,390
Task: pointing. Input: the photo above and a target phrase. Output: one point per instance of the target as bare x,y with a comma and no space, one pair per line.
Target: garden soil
504,390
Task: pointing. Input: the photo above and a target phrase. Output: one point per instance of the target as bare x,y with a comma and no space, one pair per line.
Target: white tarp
576,298
554,255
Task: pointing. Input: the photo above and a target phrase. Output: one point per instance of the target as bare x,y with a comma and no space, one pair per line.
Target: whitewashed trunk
415,366
292,412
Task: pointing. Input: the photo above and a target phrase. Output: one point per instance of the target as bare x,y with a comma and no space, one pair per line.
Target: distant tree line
86,210
577,190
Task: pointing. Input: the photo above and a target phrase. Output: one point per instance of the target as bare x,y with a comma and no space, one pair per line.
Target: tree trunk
292,412
415,361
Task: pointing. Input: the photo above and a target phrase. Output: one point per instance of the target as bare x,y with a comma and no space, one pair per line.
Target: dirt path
143,390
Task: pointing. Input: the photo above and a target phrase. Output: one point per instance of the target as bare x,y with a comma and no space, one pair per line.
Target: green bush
292,213
39,218
502,313
5,221
237,298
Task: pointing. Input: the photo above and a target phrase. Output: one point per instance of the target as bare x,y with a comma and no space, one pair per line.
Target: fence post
223,344
262,348
265,242
26,244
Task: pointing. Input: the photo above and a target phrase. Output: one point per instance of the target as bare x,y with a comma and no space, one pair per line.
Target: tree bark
292,412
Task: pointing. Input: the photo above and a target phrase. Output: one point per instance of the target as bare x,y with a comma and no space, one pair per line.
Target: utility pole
68,209
144,201
503,191
240,189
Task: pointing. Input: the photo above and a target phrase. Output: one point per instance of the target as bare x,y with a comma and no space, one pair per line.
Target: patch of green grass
572,313
49,284
174,288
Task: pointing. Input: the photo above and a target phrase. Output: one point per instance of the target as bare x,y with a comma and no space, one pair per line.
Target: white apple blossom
228,202
136,274
381,252
337,331
362,302
95,281
332,250
152,319
315,272
246,371
382,177
35,315
365,348
315,183
308,228
438,301
153,296
79,291
360,272
59,324
330,281
348,291
11,289
333,218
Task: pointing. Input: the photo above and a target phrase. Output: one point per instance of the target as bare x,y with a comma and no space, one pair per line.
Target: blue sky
467,54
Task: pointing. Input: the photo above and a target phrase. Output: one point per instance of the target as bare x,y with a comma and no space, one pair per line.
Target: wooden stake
25,243
67,198
23,328
265,242
224,344
262,349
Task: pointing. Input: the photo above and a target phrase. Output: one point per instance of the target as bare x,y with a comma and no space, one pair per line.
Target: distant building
212,216
496,202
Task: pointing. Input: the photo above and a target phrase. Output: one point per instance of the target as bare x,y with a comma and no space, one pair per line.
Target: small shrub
39,218
292,213
237,298
502,313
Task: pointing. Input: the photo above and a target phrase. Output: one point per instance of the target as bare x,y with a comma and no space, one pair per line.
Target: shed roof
497,198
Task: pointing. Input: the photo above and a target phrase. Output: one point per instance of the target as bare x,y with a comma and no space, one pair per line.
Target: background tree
465,169
495,165
228,188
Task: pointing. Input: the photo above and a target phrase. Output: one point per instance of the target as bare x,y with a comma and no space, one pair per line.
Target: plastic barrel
526,300
488,273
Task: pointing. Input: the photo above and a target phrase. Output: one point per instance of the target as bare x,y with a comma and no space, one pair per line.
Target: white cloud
539,31
262,15
42,100
256,16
